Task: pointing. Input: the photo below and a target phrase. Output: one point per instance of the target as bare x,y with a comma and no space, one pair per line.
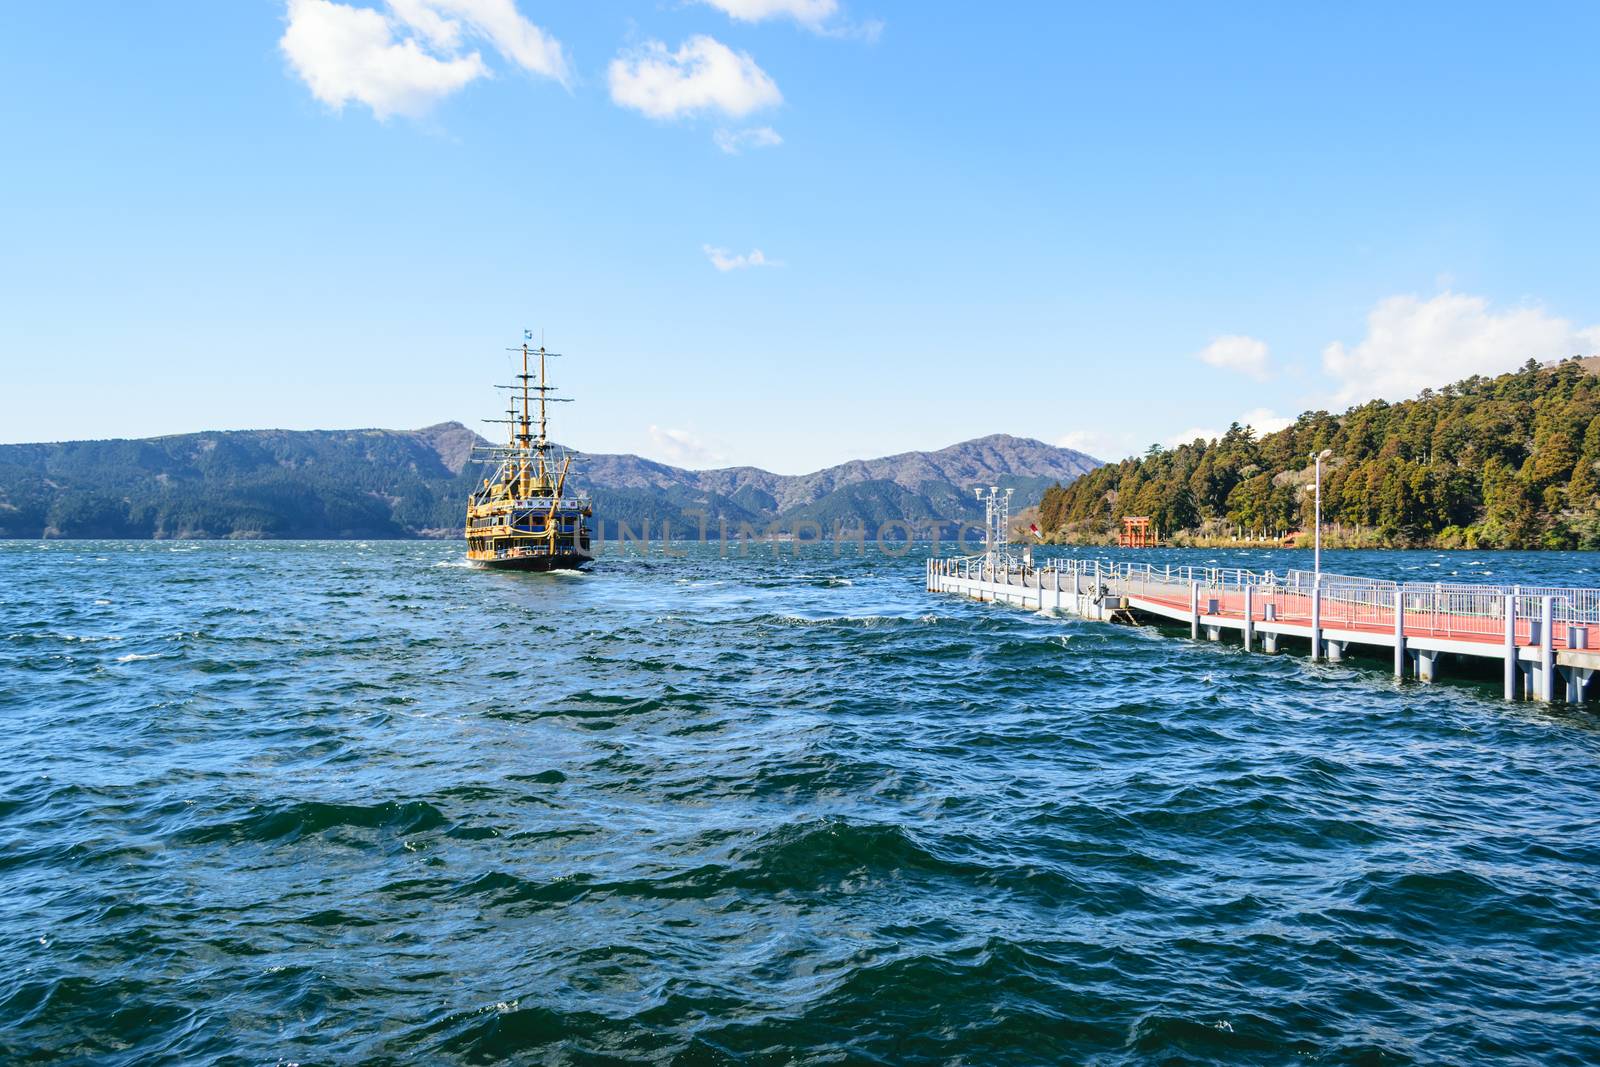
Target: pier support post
1510,648
1194,610
1335,651
1269,642
1427,664
1316,620
1577,681
1399,632
1547,649
1249,618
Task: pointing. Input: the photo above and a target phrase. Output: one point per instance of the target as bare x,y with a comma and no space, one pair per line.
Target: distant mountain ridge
412,483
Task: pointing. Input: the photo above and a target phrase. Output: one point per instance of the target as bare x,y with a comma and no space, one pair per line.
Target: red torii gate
1136,533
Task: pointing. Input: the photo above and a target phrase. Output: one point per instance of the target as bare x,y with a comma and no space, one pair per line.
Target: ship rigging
524,516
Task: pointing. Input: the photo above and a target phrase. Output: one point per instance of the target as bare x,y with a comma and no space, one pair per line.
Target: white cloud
1238,353
1189,436
1412,344
735,141
1265,421
1262,420
812,13
702,75
725,260
1112,446
403,62
1099,444
818,16
496,21
346,54
681,446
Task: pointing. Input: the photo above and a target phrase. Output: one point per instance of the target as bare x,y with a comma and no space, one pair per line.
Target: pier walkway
1543,635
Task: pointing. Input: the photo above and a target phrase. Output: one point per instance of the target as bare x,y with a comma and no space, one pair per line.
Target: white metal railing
1442,609
1357,607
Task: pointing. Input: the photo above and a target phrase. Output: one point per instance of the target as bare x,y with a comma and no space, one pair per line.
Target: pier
1548,638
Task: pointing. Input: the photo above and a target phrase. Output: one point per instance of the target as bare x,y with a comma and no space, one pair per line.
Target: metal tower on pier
997,524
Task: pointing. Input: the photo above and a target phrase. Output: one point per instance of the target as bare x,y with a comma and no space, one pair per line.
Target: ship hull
561,561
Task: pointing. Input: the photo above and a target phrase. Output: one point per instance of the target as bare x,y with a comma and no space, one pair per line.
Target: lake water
338,802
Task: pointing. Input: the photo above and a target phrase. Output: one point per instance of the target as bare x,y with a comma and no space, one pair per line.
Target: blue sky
1100,225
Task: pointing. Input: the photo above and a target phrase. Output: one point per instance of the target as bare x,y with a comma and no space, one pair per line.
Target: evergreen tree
1505,462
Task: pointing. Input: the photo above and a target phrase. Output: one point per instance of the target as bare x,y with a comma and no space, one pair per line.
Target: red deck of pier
1295,608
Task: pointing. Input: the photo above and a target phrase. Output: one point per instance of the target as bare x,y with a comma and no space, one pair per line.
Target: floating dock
1547,637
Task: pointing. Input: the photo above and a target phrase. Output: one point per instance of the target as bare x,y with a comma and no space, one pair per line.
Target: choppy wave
373,805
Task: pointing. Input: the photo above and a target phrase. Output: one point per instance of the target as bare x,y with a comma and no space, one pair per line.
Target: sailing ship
524,516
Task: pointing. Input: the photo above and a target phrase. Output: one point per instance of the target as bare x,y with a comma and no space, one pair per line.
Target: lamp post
991,516
988,523
1316,535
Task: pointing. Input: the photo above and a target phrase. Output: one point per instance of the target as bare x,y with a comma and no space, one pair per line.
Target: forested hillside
1505,462
414,483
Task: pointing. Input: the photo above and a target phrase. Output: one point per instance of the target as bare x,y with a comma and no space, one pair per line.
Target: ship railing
535,504
565,503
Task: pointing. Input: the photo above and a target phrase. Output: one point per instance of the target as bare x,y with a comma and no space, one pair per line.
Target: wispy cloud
1236,352
734,142
1413,344
812,13
724,259
1262,420
818,16
406,60
1099,443
703,75
1192,434
1265,421
682,447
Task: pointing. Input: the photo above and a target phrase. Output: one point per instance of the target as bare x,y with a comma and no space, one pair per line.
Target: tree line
1503,462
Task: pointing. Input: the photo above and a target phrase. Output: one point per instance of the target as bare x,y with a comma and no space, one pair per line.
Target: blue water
336,802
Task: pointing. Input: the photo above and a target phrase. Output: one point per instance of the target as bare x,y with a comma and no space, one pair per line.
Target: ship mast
538,444
525,461
544,440
523,480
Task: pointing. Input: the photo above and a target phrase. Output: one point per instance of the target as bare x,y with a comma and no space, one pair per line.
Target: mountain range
414,483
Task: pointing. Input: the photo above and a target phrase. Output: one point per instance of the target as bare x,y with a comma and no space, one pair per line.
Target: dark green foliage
391,484
1506,462
359,483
